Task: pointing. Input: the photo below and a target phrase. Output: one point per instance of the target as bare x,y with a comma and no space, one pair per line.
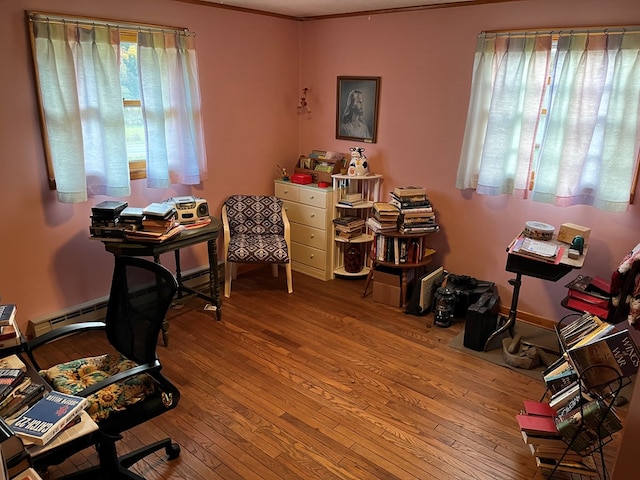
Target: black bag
481,321
467,291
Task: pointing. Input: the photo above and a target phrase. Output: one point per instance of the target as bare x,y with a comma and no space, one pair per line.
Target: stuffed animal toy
358,165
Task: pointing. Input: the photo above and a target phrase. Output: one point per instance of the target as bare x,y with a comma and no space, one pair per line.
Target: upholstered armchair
256,230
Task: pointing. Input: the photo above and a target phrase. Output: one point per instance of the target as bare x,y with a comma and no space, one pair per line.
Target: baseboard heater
96,310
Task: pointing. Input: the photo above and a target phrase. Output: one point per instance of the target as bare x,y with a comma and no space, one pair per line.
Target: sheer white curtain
78,76
171,109
585,149
591,144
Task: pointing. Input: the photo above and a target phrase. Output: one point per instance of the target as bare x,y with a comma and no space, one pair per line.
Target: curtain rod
85,21
563,31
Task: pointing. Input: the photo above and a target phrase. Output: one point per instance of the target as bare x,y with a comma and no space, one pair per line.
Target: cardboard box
569,230
320,169
386,288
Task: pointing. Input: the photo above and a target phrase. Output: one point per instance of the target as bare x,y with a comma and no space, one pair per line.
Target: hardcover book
537,425
45,419
617,351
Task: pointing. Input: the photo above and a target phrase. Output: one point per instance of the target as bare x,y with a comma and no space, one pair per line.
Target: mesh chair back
254,215
141,294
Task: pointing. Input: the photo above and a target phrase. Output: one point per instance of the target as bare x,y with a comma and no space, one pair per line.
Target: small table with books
542,266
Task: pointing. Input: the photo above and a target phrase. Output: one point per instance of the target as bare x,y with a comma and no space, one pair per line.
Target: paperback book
46,418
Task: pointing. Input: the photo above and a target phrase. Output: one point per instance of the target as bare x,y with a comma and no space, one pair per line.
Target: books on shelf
47,417
617,351
7,314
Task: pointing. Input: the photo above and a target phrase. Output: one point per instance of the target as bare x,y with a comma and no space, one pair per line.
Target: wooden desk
186,238
531,267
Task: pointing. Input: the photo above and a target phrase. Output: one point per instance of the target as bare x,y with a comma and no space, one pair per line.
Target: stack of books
351,199
9,331
416,212
589,294
159,223
131,218
384,217
539,424
17,392
48,417
105,219
348,227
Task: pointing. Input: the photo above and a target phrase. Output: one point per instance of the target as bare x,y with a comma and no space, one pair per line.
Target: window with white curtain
97,134
554,116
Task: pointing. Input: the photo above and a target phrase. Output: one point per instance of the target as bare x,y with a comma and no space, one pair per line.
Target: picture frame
357,105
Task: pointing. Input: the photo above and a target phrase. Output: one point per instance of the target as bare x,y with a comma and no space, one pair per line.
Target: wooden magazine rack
320,169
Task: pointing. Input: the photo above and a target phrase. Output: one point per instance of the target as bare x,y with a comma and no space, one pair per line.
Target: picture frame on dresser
357,108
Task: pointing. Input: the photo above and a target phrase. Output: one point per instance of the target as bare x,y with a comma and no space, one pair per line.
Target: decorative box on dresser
310,212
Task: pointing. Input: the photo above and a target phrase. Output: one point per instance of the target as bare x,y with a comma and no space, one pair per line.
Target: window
117,101
554,116
133,121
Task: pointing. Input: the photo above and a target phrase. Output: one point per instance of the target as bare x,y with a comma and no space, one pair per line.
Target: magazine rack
589,439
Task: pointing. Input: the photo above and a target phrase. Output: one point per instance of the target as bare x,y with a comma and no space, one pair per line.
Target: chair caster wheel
173,451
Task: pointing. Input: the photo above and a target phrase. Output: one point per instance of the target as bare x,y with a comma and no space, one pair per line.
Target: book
21,399
47,417
409,191
7,332
9,379
591,286
582,306
586,467
554,441
587,424
531,407
537,425
109,208
28,474
13,361
617,351
7,314
153,237
159,210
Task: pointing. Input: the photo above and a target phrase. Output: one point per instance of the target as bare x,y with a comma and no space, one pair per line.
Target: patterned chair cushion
73,377
257,229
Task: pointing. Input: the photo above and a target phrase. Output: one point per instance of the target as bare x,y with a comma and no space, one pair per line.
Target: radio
190,209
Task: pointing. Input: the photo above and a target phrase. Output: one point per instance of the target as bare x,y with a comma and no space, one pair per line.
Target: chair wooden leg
228,266
274,270
289,277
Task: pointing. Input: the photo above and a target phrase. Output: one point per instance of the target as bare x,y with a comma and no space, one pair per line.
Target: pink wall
248,73
425,60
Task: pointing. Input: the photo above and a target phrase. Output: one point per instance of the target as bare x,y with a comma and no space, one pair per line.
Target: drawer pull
311,256
313,235
312,215
312,197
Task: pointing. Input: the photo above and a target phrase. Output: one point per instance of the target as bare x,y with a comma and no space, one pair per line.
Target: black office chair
126,389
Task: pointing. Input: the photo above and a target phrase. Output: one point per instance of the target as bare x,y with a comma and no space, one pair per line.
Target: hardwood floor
323,384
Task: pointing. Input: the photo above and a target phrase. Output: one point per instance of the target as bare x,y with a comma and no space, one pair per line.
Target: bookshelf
583,384
360,193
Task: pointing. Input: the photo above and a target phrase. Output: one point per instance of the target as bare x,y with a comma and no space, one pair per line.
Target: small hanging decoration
304,106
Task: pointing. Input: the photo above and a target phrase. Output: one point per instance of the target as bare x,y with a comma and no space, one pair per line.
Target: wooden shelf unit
369,187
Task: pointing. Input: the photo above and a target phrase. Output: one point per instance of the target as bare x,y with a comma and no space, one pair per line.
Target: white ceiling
320,8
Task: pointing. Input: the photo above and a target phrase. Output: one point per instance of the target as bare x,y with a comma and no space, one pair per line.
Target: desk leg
510,321
214,284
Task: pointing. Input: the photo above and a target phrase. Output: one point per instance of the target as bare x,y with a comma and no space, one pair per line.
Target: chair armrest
118,377
59,333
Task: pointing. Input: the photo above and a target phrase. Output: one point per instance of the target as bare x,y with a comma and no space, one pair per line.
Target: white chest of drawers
310,212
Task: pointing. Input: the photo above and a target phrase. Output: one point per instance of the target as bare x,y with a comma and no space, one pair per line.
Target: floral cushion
73,377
